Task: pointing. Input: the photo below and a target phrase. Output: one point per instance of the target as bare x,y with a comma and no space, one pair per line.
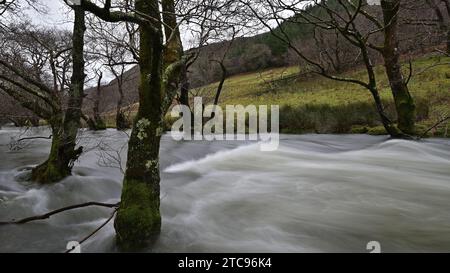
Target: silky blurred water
317,193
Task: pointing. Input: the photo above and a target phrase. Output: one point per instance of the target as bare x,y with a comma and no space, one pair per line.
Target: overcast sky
59,15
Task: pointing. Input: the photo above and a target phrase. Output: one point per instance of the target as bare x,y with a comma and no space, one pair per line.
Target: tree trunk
404,102
97,123
63,153
391,129
121,121
447,24
448,39
184,92
53,169
222,82
138,219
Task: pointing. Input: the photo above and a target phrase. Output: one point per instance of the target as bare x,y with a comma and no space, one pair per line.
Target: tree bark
448,40
138,219
121,121
63,153
221,83
404,102
391,129
184,92
53,169
97,122
445,24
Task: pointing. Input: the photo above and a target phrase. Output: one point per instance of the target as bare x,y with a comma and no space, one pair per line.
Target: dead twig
96,230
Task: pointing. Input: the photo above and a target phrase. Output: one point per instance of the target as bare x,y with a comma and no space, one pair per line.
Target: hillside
110,94
313,104
264,51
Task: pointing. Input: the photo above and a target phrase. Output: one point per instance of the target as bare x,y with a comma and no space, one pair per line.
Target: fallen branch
32,138
435,125
49,214
95,231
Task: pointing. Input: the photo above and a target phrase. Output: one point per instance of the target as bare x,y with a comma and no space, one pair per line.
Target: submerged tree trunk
54,168
138,218
121,120
97,123
63,153
404,102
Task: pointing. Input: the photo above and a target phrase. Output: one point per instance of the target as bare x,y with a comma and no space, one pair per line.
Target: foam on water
317,193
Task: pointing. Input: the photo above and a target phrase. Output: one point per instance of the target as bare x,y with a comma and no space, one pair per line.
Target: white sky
59,15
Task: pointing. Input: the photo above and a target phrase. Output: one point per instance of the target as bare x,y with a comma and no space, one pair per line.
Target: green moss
50,171
377,131
406,109
421,129
443,131
359,129
138,219
43,122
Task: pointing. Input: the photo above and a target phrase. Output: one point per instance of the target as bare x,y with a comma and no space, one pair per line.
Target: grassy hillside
313,104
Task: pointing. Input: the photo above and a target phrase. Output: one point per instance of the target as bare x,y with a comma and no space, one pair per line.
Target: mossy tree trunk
404,102
63,153
53,169
138,218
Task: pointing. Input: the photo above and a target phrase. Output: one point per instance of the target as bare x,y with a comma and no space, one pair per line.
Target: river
316,193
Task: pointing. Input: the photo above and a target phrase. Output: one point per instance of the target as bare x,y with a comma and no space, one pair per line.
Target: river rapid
316,193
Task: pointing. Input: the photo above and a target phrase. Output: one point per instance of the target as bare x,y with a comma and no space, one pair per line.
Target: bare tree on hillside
360,25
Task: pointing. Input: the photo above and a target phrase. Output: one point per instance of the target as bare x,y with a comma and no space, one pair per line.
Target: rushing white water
317,193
